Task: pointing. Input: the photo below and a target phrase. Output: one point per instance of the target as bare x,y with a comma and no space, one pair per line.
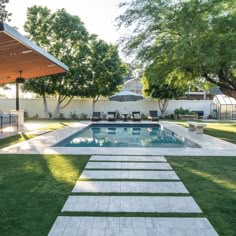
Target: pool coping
43,144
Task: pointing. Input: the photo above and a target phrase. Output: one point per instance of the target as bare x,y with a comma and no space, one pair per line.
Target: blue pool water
125,135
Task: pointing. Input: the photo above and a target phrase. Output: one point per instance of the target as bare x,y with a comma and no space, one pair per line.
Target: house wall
79,106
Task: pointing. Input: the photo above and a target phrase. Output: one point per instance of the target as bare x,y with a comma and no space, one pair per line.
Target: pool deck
43,144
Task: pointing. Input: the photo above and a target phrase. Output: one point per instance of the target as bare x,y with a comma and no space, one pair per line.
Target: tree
163,89
4,15
105,71
196,37
65,37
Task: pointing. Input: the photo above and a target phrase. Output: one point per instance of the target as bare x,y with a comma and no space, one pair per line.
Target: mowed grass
222,130
33,190
212,183
49,126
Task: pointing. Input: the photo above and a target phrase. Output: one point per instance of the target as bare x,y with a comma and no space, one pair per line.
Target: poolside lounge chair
136,116
153,115
96,116
111,116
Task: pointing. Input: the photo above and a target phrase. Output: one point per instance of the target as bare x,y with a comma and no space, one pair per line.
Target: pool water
125,135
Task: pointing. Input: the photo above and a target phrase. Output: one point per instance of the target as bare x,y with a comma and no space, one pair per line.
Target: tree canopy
4,14
196,38
94,66
105,71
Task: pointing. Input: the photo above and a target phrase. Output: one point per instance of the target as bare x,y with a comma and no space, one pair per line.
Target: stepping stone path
126,184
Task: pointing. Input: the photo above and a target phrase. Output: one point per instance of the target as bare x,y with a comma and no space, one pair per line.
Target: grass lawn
212,183
49,125
33,190
221,130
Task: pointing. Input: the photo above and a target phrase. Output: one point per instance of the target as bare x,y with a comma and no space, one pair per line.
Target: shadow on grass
221,134
34,189
212,183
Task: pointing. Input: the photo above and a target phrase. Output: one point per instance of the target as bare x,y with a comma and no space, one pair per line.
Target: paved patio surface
44,144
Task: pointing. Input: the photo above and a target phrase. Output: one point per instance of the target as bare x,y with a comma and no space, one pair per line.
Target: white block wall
79,106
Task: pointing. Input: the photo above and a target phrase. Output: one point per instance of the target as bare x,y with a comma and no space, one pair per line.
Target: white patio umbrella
125,96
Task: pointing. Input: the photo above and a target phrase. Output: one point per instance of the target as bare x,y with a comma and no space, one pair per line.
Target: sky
97,15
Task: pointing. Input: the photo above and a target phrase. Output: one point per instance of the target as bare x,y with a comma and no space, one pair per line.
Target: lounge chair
96,116
153,115
136,116
111,116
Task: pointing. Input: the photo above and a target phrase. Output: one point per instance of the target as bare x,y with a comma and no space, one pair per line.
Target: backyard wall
34,107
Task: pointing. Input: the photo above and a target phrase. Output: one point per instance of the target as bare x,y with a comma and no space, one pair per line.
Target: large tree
65,37
163,88
195,37
4,14
105,71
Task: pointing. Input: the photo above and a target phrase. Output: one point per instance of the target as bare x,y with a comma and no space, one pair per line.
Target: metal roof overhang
17,53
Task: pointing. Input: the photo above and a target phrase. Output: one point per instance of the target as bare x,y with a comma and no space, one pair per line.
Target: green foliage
181,111
73,115
105,71
196,38
66,38
4,15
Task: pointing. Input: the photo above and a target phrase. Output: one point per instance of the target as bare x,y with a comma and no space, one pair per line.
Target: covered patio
21,59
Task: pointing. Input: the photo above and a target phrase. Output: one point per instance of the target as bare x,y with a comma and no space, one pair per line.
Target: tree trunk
57,108
163,104
93,105
45,105
94,102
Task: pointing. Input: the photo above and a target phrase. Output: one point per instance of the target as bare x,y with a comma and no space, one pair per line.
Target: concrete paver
129,187
162,204
131,174
128,165
127,158
120,226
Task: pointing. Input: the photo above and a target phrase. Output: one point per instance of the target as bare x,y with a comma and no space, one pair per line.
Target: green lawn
212,183
33,190
221,130
49,125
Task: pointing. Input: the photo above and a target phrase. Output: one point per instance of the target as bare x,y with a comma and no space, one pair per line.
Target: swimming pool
126,135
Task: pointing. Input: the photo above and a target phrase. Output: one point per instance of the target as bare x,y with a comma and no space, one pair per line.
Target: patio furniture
194,126
125,116
153,115
136,116
96,116
8,120
111,116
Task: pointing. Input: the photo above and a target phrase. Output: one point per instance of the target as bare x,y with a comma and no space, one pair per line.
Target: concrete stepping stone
131,226
128,165
131,174
159,204
127,158
128,187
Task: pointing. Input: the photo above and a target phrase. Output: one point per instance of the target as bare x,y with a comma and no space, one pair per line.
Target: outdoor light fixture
27,51
19,80
52,65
